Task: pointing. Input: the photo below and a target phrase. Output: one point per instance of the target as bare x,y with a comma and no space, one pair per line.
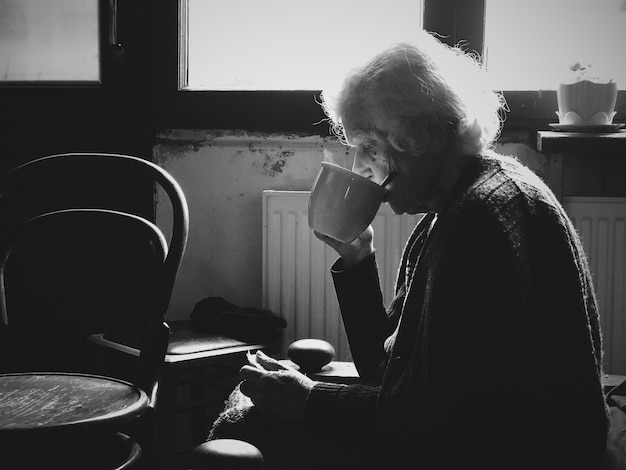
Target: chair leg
165,423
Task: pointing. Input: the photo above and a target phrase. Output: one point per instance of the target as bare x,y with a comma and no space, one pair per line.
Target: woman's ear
440,139
427,137
416,141
419,148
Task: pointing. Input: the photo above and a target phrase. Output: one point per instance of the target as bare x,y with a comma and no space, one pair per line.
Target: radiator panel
601,224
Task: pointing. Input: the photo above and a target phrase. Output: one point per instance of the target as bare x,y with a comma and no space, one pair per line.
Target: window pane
287,44
531,45
49,40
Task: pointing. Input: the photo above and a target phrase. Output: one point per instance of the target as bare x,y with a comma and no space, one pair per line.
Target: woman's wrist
349,260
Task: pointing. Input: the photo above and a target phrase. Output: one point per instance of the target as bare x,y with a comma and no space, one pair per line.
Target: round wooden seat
52,402
67,420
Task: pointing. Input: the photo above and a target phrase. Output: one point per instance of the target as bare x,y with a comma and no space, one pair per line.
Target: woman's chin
399,208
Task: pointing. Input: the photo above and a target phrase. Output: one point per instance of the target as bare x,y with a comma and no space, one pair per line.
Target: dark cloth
280,443
494,349
615,457
216,315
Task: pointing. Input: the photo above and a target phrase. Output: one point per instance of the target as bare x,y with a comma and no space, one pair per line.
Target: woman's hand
274,388
355,251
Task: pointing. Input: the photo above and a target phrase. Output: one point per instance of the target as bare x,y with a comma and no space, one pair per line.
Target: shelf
581,142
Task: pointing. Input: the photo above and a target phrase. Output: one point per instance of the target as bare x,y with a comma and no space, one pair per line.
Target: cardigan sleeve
342,408
364,315
339,411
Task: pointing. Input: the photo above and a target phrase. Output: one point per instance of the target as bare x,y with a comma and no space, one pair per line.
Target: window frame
112,115
255,111
298,112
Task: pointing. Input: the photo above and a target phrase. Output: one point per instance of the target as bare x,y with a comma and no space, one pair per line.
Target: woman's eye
371,150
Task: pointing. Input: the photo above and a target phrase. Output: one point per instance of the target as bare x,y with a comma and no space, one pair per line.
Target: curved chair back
81,232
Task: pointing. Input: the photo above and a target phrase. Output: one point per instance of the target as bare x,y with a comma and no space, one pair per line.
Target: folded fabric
615,455
284,445
617,396
215,315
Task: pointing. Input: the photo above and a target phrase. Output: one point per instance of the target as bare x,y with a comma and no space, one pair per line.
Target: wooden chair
77,263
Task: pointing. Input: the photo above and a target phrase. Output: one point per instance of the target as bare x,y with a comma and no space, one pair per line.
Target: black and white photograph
323,235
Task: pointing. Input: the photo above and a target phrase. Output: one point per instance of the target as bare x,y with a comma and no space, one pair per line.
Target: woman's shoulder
501,179
499,191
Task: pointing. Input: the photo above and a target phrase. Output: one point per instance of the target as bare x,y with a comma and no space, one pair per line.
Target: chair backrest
76,261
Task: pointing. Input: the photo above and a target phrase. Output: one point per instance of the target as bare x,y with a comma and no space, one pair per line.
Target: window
284,44
98,106
186,100
547,37
43,41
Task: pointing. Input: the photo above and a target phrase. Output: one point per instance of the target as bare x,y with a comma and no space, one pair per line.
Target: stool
226,454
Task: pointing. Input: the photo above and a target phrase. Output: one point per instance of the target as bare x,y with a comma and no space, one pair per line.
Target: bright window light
49,41
531,45
285,44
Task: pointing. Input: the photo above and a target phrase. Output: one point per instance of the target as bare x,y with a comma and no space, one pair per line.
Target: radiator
296,268
601,223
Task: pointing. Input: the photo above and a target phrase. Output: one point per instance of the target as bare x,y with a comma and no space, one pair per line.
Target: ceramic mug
342,203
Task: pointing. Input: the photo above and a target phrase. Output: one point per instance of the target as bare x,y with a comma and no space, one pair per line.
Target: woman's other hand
275,388
355,251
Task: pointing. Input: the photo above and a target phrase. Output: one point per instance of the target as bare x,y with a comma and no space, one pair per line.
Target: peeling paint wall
223,175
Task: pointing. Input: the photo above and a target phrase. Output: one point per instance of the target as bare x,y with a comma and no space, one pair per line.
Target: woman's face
414,189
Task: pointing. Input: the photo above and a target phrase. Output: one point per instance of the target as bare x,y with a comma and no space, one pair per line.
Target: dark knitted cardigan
493,356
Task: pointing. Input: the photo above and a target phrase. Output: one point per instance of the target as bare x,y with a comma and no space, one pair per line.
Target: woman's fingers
281,392
269,363
334,244
251,376
355,251
251,373
247,388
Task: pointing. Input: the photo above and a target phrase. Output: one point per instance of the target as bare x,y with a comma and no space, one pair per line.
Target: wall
223,175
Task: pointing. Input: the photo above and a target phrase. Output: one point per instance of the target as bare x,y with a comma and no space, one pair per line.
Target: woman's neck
452,165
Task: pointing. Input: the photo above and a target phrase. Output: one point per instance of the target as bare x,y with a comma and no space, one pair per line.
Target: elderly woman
490,354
